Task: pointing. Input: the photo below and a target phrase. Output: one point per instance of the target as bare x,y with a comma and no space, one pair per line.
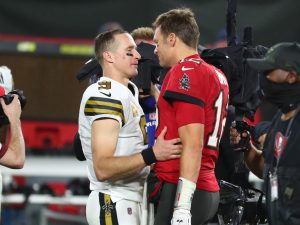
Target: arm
254,160
15,155
253,157
110,167
191,136
191,133
190,162
104,141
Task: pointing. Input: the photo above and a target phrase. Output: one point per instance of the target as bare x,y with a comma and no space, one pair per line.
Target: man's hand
235,136
154,91
183,202
166,149
181,217
240,141
12,110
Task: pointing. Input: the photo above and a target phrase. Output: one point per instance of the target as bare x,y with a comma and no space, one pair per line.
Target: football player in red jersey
192,104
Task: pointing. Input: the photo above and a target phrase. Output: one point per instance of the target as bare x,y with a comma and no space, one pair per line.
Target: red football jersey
193,92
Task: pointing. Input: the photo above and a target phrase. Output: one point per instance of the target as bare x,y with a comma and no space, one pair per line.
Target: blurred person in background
143,37
278,163
220,40
12,145
109,26
143,34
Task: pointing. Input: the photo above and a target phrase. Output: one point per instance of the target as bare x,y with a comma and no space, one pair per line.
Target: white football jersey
110,99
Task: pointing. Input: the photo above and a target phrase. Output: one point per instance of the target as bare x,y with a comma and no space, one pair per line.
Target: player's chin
162,63
134,73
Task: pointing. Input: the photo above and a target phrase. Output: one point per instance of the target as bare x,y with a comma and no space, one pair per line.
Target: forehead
277,75
157,34
276,72
125,40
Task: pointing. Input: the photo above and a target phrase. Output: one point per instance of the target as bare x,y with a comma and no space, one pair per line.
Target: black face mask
285,96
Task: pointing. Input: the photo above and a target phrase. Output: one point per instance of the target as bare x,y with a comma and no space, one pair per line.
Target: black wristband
148,156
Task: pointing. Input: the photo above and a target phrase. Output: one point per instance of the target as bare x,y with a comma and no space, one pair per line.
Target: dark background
272,20
48,80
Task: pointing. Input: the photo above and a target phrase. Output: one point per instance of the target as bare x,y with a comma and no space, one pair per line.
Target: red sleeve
187,113
3,150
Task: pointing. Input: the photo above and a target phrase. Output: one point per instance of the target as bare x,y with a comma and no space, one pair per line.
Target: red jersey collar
195,56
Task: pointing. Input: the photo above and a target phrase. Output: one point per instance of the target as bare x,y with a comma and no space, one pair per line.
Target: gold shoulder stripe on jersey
96,106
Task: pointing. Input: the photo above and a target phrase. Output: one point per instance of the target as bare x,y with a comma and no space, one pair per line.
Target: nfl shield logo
184,82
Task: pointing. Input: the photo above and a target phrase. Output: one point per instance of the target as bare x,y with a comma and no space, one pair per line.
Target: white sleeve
101,107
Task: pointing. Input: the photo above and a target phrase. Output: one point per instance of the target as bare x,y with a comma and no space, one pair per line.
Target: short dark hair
104,42
182,22
145,33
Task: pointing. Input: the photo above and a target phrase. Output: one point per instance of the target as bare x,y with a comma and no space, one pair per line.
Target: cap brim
260,64
90,68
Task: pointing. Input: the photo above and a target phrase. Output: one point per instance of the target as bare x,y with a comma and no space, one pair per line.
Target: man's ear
107,56
292,77
172,39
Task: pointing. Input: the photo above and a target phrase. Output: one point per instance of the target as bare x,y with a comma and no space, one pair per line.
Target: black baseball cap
90,68
285,56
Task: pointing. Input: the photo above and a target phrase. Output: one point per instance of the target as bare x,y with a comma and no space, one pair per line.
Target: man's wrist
15,122
184,194
148,156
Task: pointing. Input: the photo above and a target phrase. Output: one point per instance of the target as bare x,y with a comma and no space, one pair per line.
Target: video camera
149,69
244,90
8,99
240,206
90,70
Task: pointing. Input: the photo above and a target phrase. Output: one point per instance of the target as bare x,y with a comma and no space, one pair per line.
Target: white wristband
184,194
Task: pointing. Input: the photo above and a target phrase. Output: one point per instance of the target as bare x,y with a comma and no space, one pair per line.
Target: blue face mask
284,95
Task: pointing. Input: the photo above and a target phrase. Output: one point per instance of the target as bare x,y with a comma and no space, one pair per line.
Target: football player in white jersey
113,134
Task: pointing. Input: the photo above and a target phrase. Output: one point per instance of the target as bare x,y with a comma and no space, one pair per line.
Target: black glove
245,131
78,148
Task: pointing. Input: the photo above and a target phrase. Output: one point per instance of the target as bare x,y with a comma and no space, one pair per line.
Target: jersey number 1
215,136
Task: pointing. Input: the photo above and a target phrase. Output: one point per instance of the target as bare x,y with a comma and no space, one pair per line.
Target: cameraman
143,37
12,154
12,150
148,94
278,163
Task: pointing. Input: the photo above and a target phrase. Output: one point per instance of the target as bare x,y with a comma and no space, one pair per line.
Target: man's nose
155,50
137,55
